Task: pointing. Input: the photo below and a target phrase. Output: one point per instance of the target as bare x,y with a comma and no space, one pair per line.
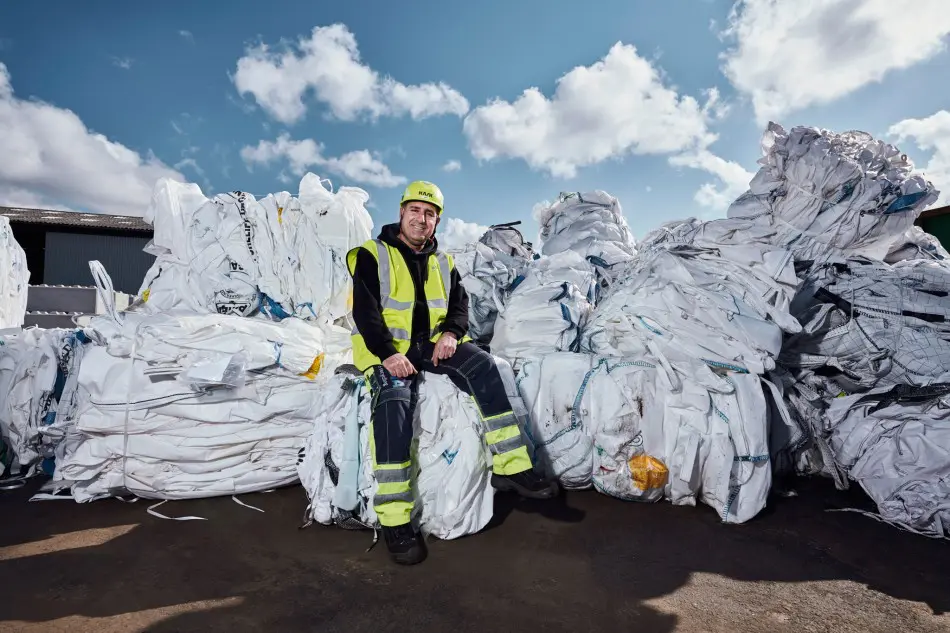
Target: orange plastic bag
648,472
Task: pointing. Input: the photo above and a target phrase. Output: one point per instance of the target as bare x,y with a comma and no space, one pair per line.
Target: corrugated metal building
937,223
59,245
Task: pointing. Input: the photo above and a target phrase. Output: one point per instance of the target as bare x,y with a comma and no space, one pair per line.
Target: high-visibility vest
397,297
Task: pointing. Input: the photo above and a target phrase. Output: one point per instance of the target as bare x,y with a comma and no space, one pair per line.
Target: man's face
417,222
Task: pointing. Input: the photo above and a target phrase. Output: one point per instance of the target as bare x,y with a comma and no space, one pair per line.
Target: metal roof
934,213
77,219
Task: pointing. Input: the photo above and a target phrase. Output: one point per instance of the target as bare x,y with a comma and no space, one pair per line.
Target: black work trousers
473,371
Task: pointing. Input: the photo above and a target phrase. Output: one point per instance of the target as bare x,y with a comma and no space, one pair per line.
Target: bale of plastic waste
640,429
824,194
490,269
14,278
274,257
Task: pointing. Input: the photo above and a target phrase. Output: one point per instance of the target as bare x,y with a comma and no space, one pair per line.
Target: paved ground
584,563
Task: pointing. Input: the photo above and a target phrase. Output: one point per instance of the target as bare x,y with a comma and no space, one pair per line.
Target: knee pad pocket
476,364
394,394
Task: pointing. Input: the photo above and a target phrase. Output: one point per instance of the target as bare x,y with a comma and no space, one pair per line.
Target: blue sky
660,104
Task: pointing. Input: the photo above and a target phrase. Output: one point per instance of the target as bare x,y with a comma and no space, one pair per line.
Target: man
411,315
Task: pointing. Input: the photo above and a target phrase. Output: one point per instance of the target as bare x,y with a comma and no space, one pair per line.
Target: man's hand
399,366
444,348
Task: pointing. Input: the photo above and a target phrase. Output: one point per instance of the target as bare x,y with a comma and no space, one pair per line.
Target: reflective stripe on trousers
503,436
391,433
473,371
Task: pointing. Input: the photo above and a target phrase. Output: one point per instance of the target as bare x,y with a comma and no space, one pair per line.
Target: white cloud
188,35
22,198
616,106
6,87
455,234
244,106
299,154
124,63
452,165
930,134
328,63
791,55
359,166
733,177
49,153
192,164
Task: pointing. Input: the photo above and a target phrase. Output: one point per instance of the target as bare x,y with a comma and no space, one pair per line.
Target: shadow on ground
582,563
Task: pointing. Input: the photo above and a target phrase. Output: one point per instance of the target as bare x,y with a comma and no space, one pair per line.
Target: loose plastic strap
781,407
375,540
246,505
307,518
151,510
48,496
104,288
12,483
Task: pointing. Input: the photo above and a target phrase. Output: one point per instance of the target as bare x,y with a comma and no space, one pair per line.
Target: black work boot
406,546
527,484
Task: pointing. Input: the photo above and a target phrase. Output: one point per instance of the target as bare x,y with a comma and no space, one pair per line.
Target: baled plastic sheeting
916,243
895,442
505,238
547,311
870,324
823,194
234,254
488,275
14,278
726,306
38,393
637,430
591,224
149,428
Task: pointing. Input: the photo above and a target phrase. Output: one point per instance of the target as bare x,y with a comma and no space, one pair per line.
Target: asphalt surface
582,563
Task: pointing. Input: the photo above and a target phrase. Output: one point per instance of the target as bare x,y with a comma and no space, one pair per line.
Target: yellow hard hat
423,191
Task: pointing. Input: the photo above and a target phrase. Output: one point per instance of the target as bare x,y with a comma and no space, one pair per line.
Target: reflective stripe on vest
395,331
385,281
441,304
395,280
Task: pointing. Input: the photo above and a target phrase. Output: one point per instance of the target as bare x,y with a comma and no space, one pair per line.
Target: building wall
32,239
939,227
67,256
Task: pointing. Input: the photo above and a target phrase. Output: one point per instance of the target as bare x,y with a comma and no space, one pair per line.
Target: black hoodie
366,302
